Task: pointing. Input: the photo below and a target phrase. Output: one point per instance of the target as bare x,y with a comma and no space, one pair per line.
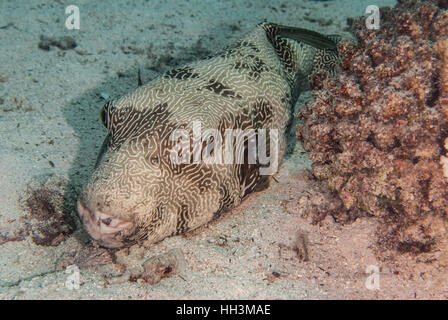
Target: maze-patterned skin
138,194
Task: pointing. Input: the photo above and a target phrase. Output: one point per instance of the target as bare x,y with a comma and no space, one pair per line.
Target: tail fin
303,51
312,38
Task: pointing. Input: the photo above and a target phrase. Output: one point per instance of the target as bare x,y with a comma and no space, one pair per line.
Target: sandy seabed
50,132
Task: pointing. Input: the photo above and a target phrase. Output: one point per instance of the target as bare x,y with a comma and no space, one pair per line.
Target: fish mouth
108,231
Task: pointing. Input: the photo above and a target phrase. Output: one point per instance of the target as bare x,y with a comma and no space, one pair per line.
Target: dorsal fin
309,37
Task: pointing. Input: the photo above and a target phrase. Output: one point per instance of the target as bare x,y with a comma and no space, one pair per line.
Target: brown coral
377,133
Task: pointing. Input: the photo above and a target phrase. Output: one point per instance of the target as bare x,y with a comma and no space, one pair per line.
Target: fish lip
107,230
84,212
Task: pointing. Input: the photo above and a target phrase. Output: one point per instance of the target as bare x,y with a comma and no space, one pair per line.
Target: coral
378,134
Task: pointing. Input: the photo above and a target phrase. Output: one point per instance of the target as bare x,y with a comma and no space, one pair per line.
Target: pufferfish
154,178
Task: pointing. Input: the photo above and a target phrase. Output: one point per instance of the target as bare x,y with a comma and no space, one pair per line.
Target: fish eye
155,160
105,113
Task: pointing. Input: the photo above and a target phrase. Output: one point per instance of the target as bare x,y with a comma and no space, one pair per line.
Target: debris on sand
49,220
163,266
63,43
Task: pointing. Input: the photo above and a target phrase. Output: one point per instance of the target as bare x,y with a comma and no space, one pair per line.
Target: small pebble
104,95
66,43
